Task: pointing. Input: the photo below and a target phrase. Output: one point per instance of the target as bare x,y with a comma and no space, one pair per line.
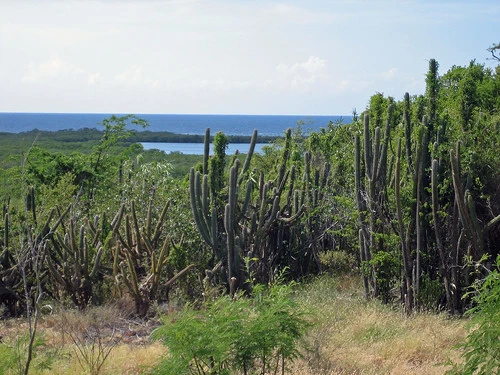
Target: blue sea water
199,148
272,125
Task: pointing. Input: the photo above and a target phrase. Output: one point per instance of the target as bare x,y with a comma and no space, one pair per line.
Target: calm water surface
197,148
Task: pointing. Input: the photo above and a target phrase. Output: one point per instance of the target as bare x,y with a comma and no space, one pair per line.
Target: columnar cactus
218,224
140,257
370,196
474,230
76,261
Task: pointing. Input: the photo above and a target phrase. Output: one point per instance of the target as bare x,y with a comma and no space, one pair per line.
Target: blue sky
240,56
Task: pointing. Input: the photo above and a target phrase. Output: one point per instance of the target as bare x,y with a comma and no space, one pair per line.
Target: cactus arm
357,180
157,231
197,207
148,218
248,158
367,147
6,233
491,224
248,196
206,150
382,163
115,223
135,223
407,124
97,263
375,155
179,274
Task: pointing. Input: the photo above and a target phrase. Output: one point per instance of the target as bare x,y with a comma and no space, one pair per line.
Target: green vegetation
235,336
482,346
407,197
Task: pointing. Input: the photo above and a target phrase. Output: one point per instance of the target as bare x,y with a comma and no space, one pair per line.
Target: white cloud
93,78
133,75
53,68
389,74
303,74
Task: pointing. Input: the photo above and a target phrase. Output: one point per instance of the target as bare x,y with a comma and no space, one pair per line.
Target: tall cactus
141,255
75,261
216,223
448,280
411,234
474,230
370,197
407,259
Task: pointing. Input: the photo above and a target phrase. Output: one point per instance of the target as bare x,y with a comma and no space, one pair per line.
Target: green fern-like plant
234,336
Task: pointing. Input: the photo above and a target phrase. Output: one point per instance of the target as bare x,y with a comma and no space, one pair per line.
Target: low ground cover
350,336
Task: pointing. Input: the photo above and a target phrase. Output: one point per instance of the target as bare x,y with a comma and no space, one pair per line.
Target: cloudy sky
230,56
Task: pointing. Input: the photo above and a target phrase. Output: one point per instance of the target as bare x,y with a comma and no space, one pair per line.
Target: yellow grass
350,336
353,336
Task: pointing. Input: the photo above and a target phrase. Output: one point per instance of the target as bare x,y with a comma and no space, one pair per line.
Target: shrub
338,261
234,336
482,345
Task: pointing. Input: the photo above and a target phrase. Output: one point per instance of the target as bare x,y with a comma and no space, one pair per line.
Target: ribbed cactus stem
478,232
375,156
362,256
206,150
382,162
97,263
404,247
408,130
6,232
230,240
285,156
246,164
199,206
357,176
461,201
367,147
148,218
159,224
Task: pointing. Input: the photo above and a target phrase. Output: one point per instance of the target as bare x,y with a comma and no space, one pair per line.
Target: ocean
271,125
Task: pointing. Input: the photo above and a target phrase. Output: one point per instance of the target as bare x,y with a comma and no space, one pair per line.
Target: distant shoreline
144,136
185,125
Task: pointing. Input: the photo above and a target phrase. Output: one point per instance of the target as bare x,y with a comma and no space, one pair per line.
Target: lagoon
197,148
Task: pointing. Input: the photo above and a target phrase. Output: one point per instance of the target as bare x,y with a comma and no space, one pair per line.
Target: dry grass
351,336
69,335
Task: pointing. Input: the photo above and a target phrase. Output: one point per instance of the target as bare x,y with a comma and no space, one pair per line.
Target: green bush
338,261
234,336
482,345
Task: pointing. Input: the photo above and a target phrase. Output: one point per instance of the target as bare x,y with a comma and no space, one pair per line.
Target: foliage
241,336
338,262
13,354
482,344
386,266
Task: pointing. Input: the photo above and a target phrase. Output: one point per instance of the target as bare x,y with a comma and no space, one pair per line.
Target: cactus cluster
75,260
260,231
140,255
371,193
